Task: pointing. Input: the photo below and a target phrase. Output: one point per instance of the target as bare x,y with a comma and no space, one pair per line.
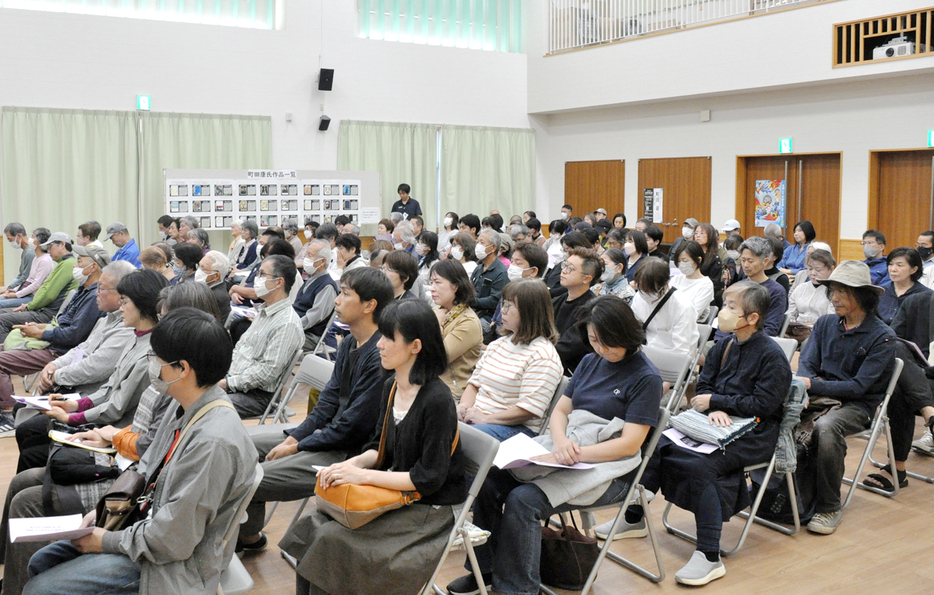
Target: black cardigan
421,444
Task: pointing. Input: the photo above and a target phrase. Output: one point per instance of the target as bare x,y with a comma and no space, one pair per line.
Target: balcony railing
583,23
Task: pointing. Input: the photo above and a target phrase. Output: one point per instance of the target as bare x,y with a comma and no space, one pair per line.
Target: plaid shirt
264,351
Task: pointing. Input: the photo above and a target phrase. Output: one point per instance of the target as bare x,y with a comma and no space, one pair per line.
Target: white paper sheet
43,403
123,462
519,450
50,528
65,438
689,443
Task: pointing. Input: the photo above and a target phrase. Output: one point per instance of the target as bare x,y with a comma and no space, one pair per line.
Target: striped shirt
266,349
524,376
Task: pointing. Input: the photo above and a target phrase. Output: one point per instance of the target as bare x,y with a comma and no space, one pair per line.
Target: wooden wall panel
589,185
901,198
686,181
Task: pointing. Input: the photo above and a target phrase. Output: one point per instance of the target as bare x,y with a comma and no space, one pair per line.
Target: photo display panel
268,197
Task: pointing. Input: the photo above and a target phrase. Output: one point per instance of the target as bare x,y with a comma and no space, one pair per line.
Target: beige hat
852,273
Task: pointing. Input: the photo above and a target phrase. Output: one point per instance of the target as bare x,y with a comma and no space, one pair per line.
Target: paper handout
49,528
43,402
519,450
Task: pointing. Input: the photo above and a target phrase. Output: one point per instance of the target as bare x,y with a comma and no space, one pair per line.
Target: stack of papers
49,528
43,403
519,450
65,438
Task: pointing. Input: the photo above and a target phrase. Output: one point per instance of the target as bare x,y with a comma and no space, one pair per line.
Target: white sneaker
624,531
699,571
825,523
925,444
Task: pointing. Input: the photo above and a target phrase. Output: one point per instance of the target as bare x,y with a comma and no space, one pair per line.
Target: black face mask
924,252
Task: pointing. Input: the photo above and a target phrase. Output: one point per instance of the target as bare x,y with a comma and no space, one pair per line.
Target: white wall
792,47
90,62
853,118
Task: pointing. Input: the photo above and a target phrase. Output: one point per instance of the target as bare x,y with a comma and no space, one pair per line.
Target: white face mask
155,377
309,233
734,254
480,251
201,276
564,216
79,276
457,252
259,286
608,275
687,268
398,246
448,221
420,249
308,265
515,272
687,233
629,248
649,297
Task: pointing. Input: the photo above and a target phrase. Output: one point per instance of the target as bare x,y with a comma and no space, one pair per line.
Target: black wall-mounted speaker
325,79
324,123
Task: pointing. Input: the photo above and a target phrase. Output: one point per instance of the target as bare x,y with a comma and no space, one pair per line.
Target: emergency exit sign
784,145
931,138
143,103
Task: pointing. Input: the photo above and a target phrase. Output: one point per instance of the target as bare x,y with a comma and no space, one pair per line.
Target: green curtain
196,141
401,152
61,168
487,168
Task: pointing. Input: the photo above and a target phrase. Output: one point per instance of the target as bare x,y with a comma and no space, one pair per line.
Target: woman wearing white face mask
427,252
687,233
669,319
637,249
450,223
692,284
463,250
614,277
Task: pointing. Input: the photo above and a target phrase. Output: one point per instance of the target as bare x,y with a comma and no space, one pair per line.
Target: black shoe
256,546
467,584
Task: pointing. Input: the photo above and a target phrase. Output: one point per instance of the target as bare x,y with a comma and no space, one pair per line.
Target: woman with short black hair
793,260
454,294
637,249
189,255
905,270
401,268
395,552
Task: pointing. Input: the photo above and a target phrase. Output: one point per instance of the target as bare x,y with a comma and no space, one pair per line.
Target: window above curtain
492,25
250,14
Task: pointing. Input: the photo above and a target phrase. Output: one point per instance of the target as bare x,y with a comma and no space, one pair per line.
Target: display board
217,198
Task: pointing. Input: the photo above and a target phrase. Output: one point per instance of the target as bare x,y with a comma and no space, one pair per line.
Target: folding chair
703,336
711,315
480,450
787,345
559,392
675,368
624,504
879,423
320,347
796,394
235,579
277,403
785,322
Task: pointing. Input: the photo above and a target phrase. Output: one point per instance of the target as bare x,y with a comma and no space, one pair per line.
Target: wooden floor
883,545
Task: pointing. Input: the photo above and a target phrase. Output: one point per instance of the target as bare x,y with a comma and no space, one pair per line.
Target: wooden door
589,185
812,186
685,182
901,195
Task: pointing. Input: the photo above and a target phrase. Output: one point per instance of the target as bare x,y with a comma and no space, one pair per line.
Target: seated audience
88,233
115,402
128,250
670,325
348,253
905,270
50,296
470,224
403,236
153,258
244,293
384,230
581,271
691,282
529,261
314,302
556,229
401,268
212,270
874,250
802,275
268,347
189,257
37,345
757,256
179,547
464,250
746,375
614,280
848,358
687,233
342,421
426,250
421,454
712,266
772,271
489,277
615,393
290,229
792,261
199,237
236,241
637,249
913,323
250,249
22,291
654,236
16,234
173,233
810,300
453,293
514,381
558,255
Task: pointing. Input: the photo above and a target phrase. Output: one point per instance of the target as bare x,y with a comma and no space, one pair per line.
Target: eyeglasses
103,289
568,269
151,355
868,243
506,307
125,300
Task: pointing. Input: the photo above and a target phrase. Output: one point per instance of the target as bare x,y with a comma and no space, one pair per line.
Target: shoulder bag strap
382,436
726,351
645,325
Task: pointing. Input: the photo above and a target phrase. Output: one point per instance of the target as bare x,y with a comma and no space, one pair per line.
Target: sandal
882,482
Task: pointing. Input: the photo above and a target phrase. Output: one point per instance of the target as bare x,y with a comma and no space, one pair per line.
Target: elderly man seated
314,303
270,344
212,270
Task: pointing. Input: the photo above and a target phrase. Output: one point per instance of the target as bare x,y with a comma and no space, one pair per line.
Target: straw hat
852,273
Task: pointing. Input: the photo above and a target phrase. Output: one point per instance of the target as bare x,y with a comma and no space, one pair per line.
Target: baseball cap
95,253
691,222
731,225
58,236
114,228
601,210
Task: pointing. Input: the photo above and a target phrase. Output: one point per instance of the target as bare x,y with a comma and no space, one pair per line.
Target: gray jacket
99,355
580,487
115,402
179,547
